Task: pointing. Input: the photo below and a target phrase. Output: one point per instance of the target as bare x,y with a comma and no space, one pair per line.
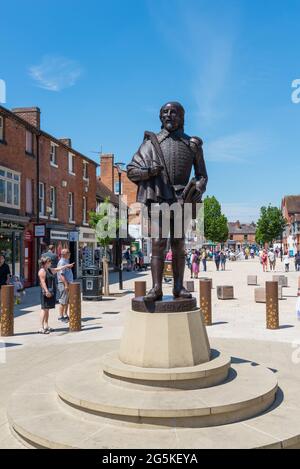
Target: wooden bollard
272,309
139,288
205,301
75,307
7,310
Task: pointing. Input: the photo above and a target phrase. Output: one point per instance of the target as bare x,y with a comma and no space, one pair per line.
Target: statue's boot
178,265
157,267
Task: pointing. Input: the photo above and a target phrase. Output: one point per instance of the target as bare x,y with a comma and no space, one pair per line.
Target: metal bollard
205,301
7,310
75,307
139,288
272,308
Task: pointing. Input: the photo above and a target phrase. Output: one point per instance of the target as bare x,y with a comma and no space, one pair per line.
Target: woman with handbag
48,290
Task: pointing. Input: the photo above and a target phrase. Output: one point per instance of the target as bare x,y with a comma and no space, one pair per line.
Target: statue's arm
199,164
141,167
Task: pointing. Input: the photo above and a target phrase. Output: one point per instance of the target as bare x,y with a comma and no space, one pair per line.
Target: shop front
88,254
14,245
61,238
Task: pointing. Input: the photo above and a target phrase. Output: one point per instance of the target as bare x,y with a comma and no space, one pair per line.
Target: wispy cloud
243,212
238,147
54,73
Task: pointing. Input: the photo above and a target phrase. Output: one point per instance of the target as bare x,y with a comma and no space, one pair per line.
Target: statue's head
172,116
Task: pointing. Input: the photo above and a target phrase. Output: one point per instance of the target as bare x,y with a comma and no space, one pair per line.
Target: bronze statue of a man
161,168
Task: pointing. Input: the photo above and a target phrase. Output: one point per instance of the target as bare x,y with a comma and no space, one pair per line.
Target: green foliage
270,225
104,222
215,223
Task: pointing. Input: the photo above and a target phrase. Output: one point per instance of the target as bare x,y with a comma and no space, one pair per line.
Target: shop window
53,202
71,163
42,199
29,142
53,154
9,188
71,206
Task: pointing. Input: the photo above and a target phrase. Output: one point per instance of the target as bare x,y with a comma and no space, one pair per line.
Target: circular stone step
248,391
200,376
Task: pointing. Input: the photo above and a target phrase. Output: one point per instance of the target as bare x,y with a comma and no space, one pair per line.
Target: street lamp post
119,241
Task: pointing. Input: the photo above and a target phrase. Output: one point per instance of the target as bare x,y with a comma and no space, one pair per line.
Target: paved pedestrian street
239,329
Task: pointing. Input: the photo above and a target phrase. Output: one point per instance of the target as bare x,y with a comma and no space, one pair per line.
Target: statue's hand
155,170
199,190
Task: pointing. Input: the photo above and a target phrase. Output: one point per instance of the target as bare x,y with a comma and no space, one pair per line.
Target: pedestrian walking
272,259
52,255
297,261
4,271
286,261
64,279
204,260
223,259
217,260
46,276
264,260
195,264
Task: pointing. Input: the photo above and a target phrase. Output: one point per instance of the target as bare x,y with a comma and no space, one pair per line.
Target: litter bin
91,283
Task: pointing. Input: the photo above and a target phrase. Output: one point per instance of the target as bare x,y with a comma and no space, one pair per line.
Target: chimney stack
66,141
30,114
107,170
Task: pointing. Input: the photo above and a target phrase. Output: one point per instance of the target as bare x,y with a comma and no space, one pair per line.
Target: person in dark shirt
4,271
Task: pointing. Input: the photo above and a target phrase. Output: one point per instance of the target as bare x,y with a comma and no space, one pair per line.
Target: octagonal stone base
164,340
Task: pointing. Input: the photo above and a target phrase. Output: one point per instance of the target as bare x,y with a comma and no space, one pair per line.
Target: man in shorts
64,277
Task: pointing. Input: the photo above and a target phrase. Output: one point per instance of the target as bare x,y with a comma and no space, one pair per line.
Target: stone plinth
260,294
167,305
225,292
189,285
281,279
252,280
164,340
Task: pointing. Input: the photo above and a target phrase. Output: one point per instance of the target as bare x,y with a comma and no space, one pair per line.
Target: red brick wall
13,156
52,176
109,175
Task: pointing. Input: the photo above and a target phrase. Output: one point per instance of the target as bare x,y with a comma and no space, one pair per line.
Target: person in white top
286,261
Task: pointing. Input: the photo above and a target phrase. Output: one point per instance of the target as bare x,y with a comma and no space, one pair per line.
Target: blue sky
100,70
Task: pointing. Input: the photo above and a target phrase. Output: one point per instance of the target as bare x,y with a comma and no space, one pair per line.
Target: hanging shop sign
39,230
11,225
59,235
74,236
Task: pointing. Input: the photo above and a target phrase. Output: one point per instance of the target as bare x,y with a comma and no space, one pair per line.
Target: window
71,163
1,129
84,211
53,154
71,206
245,237
29,196
42,199
9,188
85,170
53,202
29,142
117,188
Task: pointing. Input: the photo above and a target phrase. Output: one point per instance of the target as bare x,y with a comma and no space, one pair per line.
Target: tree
215,223
105,223
270,225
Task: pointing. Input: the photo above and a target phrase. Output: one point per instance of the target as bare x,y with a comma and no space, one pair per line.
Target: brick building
290,207
43,180
241,234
